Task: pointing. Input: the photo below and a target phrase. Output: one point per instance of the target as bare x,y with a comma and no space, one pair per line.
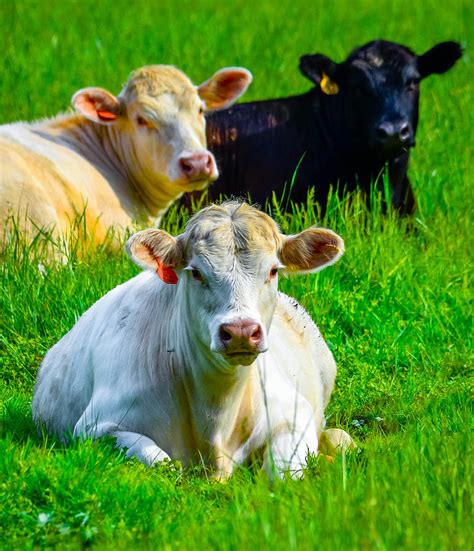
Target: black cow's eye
196,274
412,83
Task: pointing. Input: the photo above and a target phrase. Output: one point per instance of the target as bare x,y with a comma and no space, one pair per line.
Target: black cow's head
380,86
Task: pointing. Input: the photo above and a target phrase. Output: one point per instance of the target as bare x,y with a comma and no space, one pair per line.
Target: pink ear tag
165,273
106,115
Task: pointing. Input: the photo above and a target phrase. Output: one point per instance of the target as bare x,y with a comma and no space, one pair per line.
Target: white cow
208,361
122,159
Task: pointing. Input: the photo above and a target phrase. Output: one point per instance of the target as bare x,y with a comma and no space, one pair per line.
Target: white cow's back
71,370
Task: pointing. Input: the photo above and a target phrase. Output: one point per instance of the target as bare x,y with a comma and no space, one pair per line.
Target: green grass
395,310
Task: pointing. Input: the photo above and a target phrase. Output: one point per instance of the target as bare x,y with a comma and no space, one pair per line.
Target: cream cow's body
120,160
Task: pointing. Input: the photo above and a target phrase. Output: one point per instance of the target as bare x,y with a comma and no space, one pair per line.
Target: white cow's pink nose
242,336
200,165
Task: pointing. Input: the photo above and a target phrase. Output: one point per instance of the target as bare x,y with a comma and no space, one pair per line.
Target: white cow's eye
196,274
273,273
201,110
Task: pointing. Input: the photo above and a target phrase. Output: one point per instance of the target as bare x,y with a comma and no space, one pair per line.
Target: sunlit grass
396,310
396,319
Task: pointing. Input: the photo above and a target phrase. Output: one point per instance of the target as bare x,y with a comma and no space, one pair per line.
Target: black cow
360,117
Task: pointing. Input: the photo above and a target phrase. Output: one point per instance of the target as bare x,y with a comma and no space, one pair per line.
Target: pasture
395,310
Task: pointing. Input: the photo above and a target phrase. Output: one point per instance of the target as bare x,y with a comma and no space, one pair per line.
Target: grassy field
395,310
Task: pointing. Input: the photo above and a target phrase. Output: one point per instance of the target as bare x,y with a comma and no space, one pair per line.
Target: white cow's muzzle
240,340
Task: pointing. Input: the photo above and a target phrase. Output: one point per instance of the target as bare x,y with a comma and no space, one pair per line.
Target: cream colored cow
123,159
207,362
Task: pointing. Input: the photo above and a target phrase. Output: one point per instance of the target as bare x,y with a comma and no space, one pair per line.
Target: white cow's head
158,128
226,267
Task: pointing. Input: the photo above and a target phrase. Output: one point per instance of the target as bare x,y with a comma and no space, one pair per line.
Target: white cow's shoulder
296,337
290,312
129,296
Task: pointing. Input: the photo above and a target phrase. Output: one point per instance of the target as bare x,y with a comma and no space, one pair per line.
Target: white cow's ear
311,250
158,251
97,104
224,87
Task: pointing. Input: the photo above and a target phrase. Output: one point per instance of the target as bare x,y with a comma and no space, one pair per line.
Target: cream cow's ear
158,251
224,87
311,250
98,105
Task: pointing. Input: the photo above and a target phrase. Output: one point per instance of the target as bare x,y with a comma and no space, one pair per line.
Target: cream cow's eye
141,121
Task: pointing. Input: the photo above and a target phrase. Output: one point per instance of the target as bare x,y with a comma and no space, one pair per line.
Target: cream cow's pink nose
200,165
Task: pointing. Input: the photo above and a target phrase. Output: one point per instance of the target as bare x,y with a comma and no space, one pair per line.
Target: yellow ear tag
328,86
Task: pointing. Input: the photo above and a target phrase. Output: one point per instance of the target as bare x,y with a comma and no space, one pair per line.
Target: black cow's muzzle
394,136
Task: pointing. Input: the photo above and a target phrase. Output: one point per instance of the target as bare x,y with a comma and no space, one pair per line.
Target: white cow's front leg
287,451
290,423
141,447
136,444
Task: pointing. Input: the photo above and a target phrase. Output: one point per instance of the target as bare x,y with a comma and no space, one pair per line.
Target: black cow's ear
313,67
439,59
